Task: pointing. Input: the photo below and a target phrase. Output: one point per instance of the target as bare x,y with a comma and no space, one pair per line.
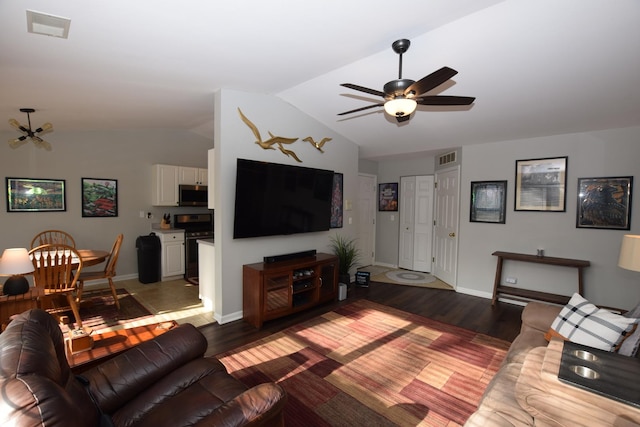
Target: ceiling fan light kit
400,106
29,133
402,96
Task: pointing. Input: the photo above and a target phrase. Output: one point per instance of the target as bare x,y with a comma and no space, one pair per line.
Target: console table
498,289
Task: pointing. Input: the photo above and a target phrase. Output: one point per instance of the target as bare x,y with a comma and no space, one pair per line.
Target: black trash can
149,257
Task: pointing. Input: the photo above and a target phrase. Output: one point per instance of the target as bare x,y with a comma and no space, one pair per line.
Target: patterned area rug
98,310
366,364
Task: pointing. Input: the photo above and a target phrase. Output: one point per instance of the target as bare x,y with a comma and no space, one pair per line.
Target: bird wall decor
274,140
317,145
29,133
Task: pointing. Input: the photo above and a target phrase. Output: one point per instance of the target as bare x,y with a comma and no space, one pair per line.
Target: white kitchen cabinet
211,178
192,176
172,244
165,185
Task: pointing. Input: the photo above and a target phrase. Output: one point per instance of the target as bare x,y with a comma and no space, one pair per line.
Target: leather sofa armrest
121,378
260,405
539,316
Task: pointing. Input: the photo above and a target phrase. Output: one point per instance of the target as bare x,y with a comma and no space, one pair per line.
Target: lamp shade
630,253
15,261
400,107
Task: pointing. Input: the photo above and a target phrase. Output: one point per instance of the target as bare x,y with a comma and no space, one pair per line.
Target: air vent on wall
445,159
48,25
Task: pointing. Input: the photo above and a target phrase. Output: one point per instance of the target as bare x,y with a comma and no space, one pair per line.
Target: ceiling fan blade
445,100
431,81
363,89
361,109
401,119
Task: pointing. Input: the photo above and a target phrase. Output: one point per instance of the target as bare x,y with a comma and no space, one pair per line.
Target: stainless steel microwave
192,195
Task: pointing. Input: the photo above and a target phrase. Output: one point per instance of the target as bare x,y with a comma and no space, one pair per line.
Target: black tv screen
275,199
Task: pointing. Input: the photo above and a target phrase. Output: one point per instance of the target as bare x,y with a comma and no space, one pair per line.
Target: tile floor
171,300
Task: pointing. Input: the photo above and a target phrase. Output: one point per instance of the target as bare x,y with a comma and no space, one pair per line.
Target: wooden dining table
92,256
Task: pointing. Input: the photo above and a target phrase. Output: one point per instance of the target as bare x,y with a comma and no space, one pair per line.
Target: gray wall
234,139
123,155
387,223
595,154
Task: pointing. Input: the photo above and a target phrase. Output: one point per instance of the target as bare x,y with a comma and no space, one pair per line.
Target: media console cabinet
272,290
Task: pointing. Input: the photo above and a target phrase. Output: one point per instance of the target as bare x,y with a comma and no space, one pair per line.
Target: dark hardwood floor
469,312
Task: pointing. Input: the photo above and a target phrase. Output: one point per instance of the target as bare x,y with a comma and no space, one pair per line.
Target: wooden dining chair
57,270
53,237
108,273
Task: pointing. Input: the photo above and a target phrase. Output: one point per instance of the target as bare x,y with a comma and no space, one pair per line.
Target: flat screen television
275,199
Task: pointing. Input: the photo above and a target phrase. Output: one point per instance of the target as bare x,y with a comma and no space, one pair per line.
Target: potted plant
347,252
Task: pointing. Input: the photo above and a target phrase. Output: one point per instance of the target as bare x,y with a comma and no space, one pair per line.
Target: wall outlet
512,280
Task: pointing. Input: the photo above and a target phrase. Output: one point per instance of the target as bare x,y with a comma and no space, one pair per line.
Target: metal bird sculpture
317,145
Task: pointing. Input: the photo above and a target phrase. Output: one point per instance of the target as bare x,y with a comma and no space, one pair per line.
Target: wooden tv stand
272,290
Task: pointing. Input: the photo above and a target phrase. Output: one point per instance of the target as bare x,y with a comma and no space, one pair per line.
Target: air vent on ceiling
445,159
48,25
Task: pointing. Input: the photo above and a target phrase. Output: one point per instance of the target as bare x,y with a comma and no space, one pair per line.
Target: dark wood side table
16,304
498,289
110,344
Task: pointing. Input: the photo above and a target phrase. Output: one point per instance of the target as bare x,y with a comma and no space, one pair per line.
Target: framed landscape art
541,184
99,197
35,195
604,203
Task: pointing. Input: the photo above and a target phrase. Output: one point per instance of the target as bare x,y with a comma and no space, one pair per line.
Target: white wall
594,154
234,140
123,155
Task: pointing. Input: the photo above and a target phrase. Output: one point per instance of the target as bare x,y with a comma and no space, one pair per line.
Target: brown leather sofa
163,382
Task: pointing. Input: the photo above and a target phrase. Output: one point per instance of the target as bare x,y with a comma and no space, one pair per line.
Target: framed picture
36,195
336,201
388,197
488,201
604,203
99,197
541,184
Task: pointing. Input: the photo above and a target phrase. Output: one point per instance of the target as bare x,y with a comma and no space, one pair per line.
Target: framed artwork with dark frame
36,195
388,197
99,197
336,201
541,184
604,203
488,201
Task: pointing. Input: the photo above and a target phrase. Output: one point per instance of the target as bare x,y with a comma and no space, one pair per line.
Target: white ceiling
536,67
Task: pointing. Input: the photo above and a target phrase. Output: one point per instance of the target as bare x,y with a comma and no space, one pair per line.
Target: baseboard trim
488,295
227,318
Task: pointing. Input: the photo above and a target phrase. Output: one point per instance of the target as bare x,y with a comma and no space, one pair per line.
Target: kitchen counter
208,242
155,228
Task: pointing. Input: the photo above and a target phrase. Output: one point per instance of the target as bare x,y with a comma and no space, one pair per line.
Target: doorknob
452,234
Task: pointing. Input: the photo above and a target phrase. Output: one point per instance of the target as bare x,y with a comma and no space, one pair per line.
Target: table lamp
630,253
15,262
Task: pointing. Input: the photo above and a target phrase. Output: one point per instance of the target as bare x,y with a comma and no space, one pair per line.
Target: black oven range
196,227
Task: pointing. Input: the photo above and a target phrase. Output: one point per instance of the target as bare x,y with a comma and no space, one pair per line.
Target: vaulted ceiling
536,67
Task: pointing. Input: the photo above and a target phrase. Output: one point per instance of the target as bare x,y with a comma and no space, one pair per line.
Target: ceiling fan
403,95
29,133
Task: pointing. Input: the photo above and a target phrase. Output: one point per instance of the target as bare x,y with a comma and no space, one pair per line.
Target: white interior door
407,217
446,225
366,226
416,223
